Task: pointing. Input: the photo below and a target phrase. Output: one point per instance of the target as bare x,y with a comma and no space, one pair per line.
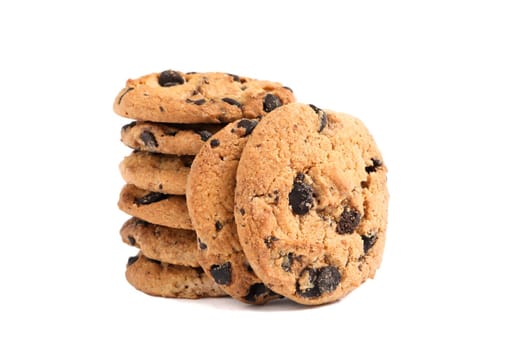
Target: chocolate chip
199,102
318,280
348,221
268,241
202,245
132,260
204,134
248,124
127,126
218,226
301,196
369,241
271,102
149,139
170,78
322,117
242,211
286,265
151,197
214,143
125,92
235,77
258,290
232,102
376,163
132,240
161,108
222,274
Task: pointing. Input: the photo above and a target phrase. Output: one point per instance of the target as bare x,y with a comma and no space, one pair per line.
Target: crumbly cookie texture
156,172
170,245
311,203
155,207
176,97
172,281
210,199
177,139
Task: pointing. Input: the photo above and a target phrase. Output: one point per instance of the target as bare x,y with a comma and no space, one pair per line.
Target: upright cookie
156,172
171,281
311,203
155,207
176,97
170,245
177,139
210,194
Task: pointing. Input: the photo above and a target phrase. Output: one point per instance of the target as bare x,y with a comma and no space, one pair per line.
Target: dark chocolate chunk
222,274
301,196
218,226
248,124
286,264
242,211
376,163
125,92
170,78
214,143
322,280
258,290
130,125
235,77
348,221
151,197
132,260
322,117
149,139
232,102
198,102
204,134
202,245
268,241
271,102
132,240
369,241
161,108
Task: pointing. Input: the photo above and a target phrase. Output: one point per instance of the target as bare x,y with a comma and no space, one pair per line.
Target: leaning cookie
156,172
170,245
171,281
210,193
157,208
311,203
177,139
176,97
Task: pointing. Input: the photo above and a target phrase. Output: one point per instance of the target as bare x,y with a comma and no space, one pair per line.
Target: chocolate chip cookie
177,139
170,245
172,281
311,203
210,194
155,207
176,97
156,172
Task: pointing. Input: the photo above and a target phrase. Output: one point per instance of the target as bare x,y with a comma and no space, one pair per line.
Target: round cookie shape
170,281
210,196
156,172
311,203
176,97
155,207
176,139
170,245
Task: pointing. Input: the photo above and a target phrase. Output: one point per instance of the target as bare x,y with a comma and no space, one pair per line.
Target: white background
441,86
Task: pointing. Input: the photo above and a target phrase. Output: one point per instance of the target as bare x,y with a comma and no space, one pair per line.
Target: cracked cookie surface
176,97
311,203
170,281
210,194
166,244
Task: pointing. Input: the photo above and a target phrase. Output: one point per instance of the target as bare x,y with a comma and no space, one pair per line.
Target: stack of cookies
235,189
